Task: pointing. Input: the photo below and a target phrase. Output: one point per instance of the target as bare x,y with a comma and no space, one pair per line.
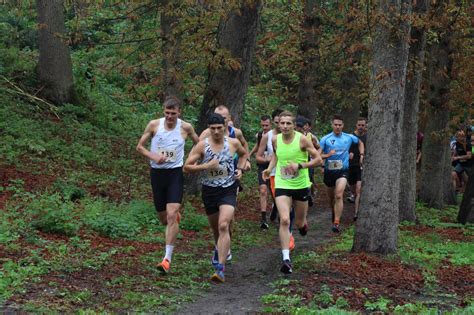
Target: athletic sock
286,254
169,252
264,216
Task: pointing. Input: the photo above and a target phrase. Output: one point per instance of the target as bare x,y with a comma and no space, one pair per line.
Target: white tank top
269,151
170,143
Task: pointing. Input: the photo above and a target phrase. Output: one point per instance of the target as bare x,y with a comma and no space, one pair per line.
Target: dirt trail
248,278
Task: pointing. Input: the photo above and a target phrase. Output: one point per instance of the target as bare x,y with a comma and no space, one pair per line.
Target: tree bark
172,83
466,211
434,174
377,223
308,98
54,66
229,75
416,57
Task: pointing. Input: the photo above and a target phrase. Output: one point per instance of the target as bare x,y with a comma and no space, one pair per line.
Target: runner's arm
273,161
260,156
191,165
361,151
147,134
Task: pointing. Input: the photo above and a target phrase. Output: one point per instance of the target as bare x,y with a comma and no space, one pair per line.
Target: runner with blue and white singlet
166,155
219,183
335,147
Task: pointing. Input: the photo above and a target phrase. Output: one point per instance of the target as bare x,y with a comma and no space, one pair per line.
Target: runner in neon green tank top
291,181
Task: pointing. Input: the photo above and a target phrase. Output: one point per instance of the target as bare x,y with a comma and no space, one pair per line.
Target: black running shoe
335,228
286,268
264,225
355,218
304,230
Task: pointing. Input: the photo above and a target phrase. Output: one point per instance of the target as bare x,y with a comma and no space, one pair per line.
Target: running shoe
229,257
286,268
164,266
350,198
215,258
264,225
304,230
218,275
335,228
355,217
292,242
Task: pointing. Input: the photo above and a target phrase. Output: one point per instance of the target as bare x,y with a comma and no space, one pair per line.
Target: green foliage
192,220
324,298
418,308
379,305
121,221
13,277
51,214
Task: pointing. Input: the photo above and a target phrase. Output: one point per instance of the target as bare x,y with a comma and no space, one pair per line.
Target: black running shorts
261,168
214,197
295,194
167,186
355,175
330,177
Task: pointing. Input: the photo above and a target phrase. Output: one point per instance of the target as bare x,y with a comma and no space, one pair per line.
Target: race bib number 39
218,173
335,165
170,154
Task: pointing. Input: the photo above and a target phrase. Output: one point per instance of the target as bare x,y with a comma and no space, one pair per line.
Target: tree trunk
434,164
466,211
172,83
449,193
54,66
229,73
308,97
377,223
416,57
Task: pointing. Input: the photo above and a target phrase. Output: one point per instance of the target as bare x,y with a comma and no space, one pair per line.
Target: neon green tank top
287,153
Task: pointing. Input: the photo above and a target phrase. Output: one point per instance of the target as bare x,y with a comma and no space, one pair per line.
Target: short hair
276,112
172,102
286,113
222,107
362,118
337,117
264,117
215,119
301,121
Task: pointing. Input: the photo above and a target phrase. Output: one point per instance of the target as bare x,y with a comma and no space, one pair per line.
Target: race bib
218,173
170,154
335,165
287,173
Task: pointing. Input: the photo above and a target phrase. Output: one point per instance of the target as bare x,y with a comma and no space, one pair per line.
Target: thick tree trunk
172,83
434,164
229,76
466,211
449,193
54,66
308,98
416,57
377,223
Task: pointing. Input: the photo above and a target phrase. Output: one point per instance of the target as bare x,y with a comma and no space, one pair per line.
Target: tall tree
54,66
308,87
416,59
172,83
377,224
466,211
229,72
435,158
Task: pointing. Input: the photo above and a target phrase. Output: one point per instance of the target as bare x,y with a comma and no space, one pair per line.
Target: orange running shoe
292,242
164,266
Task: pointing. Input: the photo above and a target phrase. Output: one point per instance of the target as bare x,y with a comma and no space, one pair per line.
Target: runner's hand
212,164
331,153
351,156
266,174
158,157
238,173
247,166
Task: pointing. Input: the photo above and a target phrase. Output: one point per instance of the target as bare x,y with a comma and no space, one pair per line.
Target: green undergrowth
426,246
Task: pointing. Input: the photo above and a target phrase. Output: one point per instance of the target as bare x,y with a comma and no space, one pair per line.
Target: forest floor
89,272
